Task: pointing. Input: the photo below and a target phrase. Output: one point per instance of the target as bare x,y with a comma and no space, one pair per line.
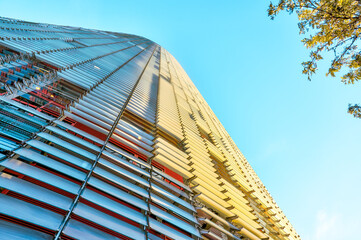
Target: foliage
334,26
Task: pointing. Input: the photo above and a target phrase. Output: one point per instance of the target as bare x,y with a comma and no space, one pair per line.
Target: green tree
331,26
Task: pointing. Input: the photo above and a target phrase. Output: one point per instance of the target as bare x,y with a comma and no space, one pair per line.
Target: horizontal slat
116,192
175,181
114,206
82,231
128,155
67,145
173,208
172,197
80,132
29,212
33,191
121,182
119,170
26,108
169,186
73,138
12,231
213,215
41,175
50,163
174,220
110,222
170,232
60,154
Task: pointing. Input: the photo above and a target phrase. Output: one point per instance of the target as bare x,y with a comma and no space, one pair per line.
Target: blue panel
12,231
50,163
29,212
82,231
109,221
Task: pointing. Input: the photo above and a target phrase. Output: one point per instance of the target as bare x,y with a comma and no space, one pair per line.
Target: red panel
90,131
50,66
169,172
128,149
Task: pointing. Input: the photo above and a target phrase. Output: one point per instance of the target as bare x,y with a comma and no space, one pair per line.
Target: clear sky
296,134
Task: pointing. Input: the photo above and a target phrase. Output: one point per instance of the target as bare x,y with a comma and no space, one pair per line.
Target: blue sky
296,134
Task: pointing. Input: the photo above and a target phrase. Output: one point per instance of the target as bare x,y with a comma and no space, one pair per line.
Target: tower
104,136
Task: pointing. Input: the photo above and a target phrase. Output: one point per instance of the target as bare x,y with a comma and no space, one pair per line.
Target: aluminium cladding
104,136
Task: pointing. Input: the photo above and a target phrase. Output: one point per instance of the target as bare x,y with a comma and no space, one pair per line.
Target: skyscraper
104,136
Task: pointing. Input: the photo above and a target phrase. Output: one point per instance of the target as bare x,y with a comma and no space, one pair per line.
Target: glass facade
104,136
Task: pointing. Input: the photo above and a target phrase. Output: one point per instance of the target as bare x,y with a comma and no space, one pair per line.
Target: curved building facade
104,136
